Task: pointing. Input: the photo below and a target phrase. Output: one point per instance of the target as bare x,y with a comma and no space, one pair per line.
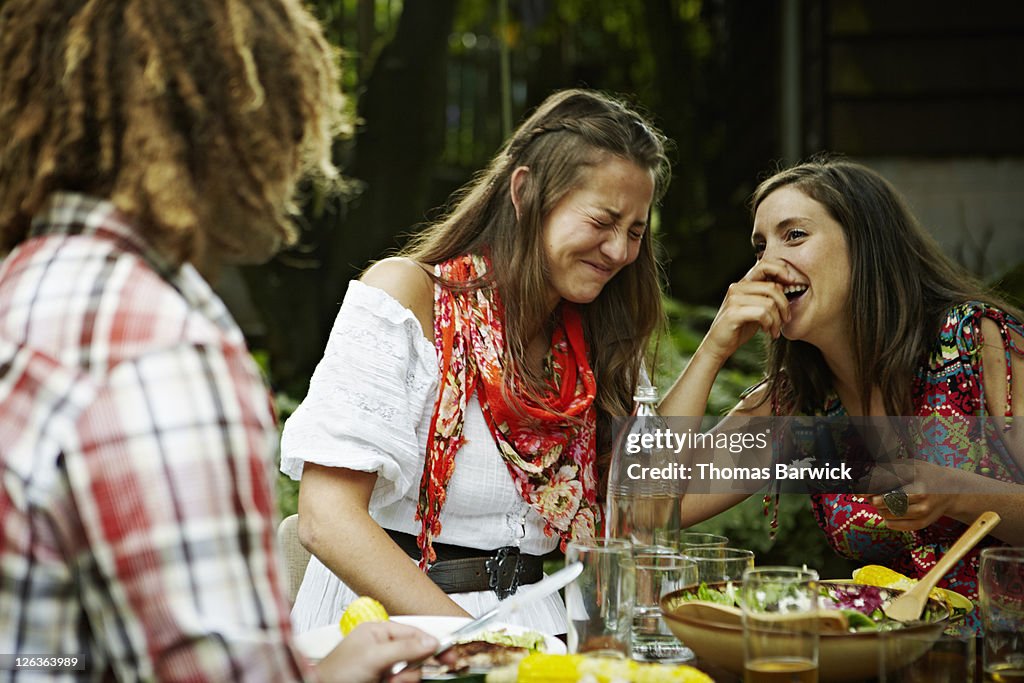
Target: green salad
862,605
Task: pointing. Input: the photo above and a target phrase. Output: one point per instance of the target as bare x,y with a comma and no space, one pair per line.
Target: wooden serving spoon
908,606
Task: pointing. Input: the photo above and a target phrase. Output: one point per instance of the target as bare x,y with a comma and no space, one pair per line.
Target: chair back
296,557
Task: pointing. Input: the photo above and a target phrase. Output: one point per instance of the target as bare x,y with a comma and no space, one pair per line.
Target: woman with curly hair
143,142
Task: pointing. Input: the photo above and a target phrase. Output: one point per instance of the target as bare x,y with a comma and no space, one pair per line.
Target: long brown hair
568,133
902,286
194,117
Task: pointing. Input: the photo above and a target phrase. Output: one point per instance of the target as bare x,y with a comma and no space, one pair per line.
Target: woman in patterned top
868,318
456,416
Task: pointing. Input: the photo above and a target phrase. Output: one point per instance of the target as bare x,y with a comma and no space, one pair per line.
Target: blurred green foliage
799,541
287,489
687,325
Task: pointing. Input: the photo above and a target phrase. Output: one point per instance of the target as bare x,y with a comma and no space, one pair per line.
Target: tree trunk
723,135
400,138
399,141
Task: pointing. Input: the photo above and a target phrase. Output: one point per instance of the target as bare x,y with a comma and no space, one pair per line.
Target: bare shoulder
754,404
991,336
409,283
993,352
993,359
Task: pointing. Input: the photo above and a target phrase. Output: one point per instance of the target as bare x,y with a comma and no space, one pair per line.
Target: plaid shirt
136,440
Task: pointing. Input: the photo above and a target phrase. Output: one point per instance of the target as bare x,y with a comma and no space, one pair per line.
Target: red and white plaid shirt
137,516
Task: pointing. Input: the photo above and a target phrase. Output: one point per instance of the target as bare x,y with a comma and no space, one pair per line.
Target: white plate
317,643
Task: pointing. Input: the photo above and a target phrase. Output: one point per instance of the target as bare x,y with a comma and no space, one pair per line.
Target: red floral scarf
548,446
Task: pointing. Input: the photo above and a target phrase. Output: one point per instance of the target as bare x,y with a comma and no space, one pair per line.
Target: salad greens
861,604
708,594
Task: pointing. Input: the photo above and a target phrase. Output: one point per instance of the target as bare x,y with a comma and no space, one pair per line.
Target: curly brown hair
195,118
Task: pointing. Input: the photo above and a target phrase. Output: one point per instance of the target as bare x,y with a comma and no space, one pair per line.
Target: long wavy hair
194,117
902,287
570,132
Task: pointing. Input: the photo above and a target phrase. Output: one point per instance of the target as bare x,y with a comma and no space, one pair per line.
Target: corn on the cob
361,610
877,575
542,668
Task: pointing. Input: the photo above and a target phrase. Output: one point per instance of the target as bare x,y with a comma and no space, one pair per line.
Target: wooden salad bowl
849,656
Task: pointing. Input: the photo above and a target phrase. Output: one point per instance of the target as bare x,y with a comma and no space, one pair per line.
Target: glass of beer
780,628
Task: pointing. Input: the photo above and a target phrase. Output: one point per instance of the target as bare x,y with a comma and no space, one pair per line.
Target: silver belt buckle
503,570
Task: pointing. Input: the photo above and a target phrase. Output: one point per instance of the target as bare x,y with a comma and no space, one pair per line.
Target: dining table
950,659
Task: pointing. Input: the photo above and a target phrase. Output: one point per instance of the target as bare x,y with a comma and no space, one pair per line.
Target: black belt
464,570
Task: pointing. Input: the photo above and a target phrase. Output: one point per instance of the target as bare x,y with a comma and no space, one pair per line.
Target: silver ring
896,501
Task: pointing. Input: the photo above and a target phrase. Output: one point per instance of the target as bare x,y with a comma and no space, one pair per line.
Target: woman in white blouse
451,433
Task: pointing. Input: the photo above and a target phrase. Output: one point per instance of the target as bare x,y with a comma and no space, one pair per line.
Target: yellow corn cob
607,670
661,673
541,668
883,577
361,610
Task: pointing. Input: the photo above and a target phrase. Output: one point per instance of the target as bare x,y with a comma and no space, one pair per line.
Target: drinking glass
1001,598
684,540
947,660
780,628
659,571
599,603
719,565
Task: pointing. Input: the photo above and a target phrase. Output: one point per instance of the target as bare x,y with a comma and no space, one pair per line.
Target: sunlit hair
902,287
194,117
570,133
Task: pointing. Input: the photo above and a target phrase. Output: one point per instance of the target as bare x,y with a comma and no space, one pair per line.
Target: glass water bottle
638,504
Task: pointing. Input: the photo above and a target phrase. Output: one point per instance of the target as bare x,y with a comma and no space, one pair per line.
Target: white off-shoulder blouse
368,408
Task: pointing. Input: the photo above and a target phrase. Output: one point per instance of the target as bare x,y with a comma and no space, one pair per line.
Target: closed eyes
635,234
610,221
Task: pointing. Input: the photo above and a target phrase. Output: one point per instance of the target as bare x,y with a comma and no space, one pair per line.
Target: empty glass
684,540
658,571
719,565
1001,598
599,603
